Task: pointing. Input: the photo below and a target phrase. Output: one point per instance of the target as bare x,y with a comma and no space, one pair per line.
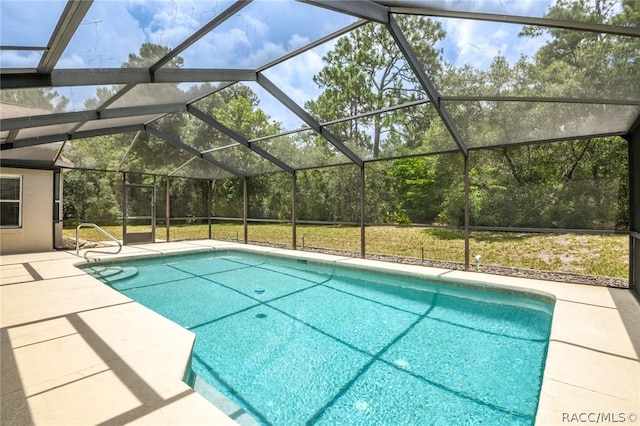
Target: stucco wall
36,233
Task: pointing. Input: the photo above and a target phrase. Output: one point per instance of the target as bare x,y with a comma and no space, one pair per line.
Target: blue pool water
324,345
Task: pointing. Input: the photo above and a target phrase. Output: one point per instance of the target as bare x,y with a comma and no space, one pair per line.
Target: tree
594,63
550,185
149,54
237,108
365,72
108,152
569,184
89,195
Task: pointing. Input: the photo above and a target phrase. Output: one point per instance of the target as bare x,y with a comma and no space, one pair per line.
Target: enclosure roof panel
36,156
505,63
162,93
15,22
294,74
236,88
491,123
304,149
261,32
524,12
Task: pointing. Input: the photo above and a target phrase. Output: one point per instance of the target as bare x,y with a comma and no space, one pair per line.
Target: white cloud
254,26
14,59
267,53
511,7
296,41
295,78
170,26
28,23
500,34
72,61
104,39
218,50
474,44
275,109
534,8
477,43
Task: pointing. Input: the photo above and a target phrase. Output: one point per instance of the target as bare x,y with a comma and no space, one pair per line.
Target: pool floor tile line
226,316
239,268
491,333
433,304
460,394
261,303
235,394
376,357
574,379
113,284
291,316
373,358
314,284
323,283
300,290
436,319
371,300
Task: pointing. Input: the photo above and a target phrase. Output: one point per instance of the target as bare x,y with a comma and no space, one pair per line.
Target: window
10,201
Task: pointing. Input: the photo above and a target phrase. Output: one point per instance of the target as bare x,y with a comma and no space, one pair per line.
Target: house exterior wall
36,232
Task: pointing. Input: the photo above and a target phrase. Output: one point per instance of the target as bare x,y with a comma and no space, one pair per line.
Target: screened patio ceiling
78,56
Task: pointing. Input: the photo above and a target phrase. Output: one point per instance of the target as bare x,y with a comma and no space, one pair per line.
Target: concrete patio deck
76,352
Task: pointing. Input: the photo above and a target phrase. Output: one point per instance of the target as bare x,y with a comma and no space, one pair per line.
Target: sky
261,32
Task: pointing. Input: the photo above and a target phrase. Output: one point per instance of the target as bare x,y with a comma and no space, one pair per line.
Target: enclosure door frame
138,237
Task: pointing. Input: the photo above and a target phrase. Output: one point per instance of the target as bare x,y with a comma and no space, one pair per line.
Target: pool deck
76,352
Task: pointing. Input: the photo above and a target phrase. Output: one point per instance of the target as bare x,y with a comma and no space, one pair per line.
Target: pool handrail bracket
93,225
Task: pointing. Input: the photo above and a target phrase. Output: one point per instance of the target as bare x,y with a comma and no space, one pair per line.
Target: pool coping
592,370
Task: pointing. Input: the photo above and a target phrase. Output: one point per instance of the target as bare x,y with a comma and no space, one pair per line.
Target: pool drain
361,405
259,290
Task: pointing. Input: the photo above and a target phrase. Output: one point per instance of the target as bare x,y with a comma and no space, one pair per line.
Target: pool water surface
294,342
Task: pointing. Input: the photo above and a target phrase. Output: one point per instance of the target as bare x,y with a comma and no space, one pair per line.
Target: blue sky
259,33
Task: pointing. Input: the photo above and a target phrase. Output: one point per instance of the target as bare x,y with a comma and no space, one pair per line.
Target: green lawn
583,254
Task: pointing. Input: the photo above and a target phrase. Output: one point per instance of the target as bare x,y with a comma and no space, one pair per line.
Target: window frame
18,201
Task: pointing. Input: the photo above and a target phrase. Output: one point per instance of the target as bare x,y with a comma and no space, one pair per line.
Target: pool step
113,273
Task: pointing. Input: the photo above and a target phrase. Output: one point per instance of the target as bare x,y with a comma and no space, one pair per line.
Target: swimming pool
297,342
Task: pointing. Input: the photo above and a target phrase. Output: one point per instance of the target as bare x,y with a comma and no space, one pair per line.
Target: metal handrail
93,225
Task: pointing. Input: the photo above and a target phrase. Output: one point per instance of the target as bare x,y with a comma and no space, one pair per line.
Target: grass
583,254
